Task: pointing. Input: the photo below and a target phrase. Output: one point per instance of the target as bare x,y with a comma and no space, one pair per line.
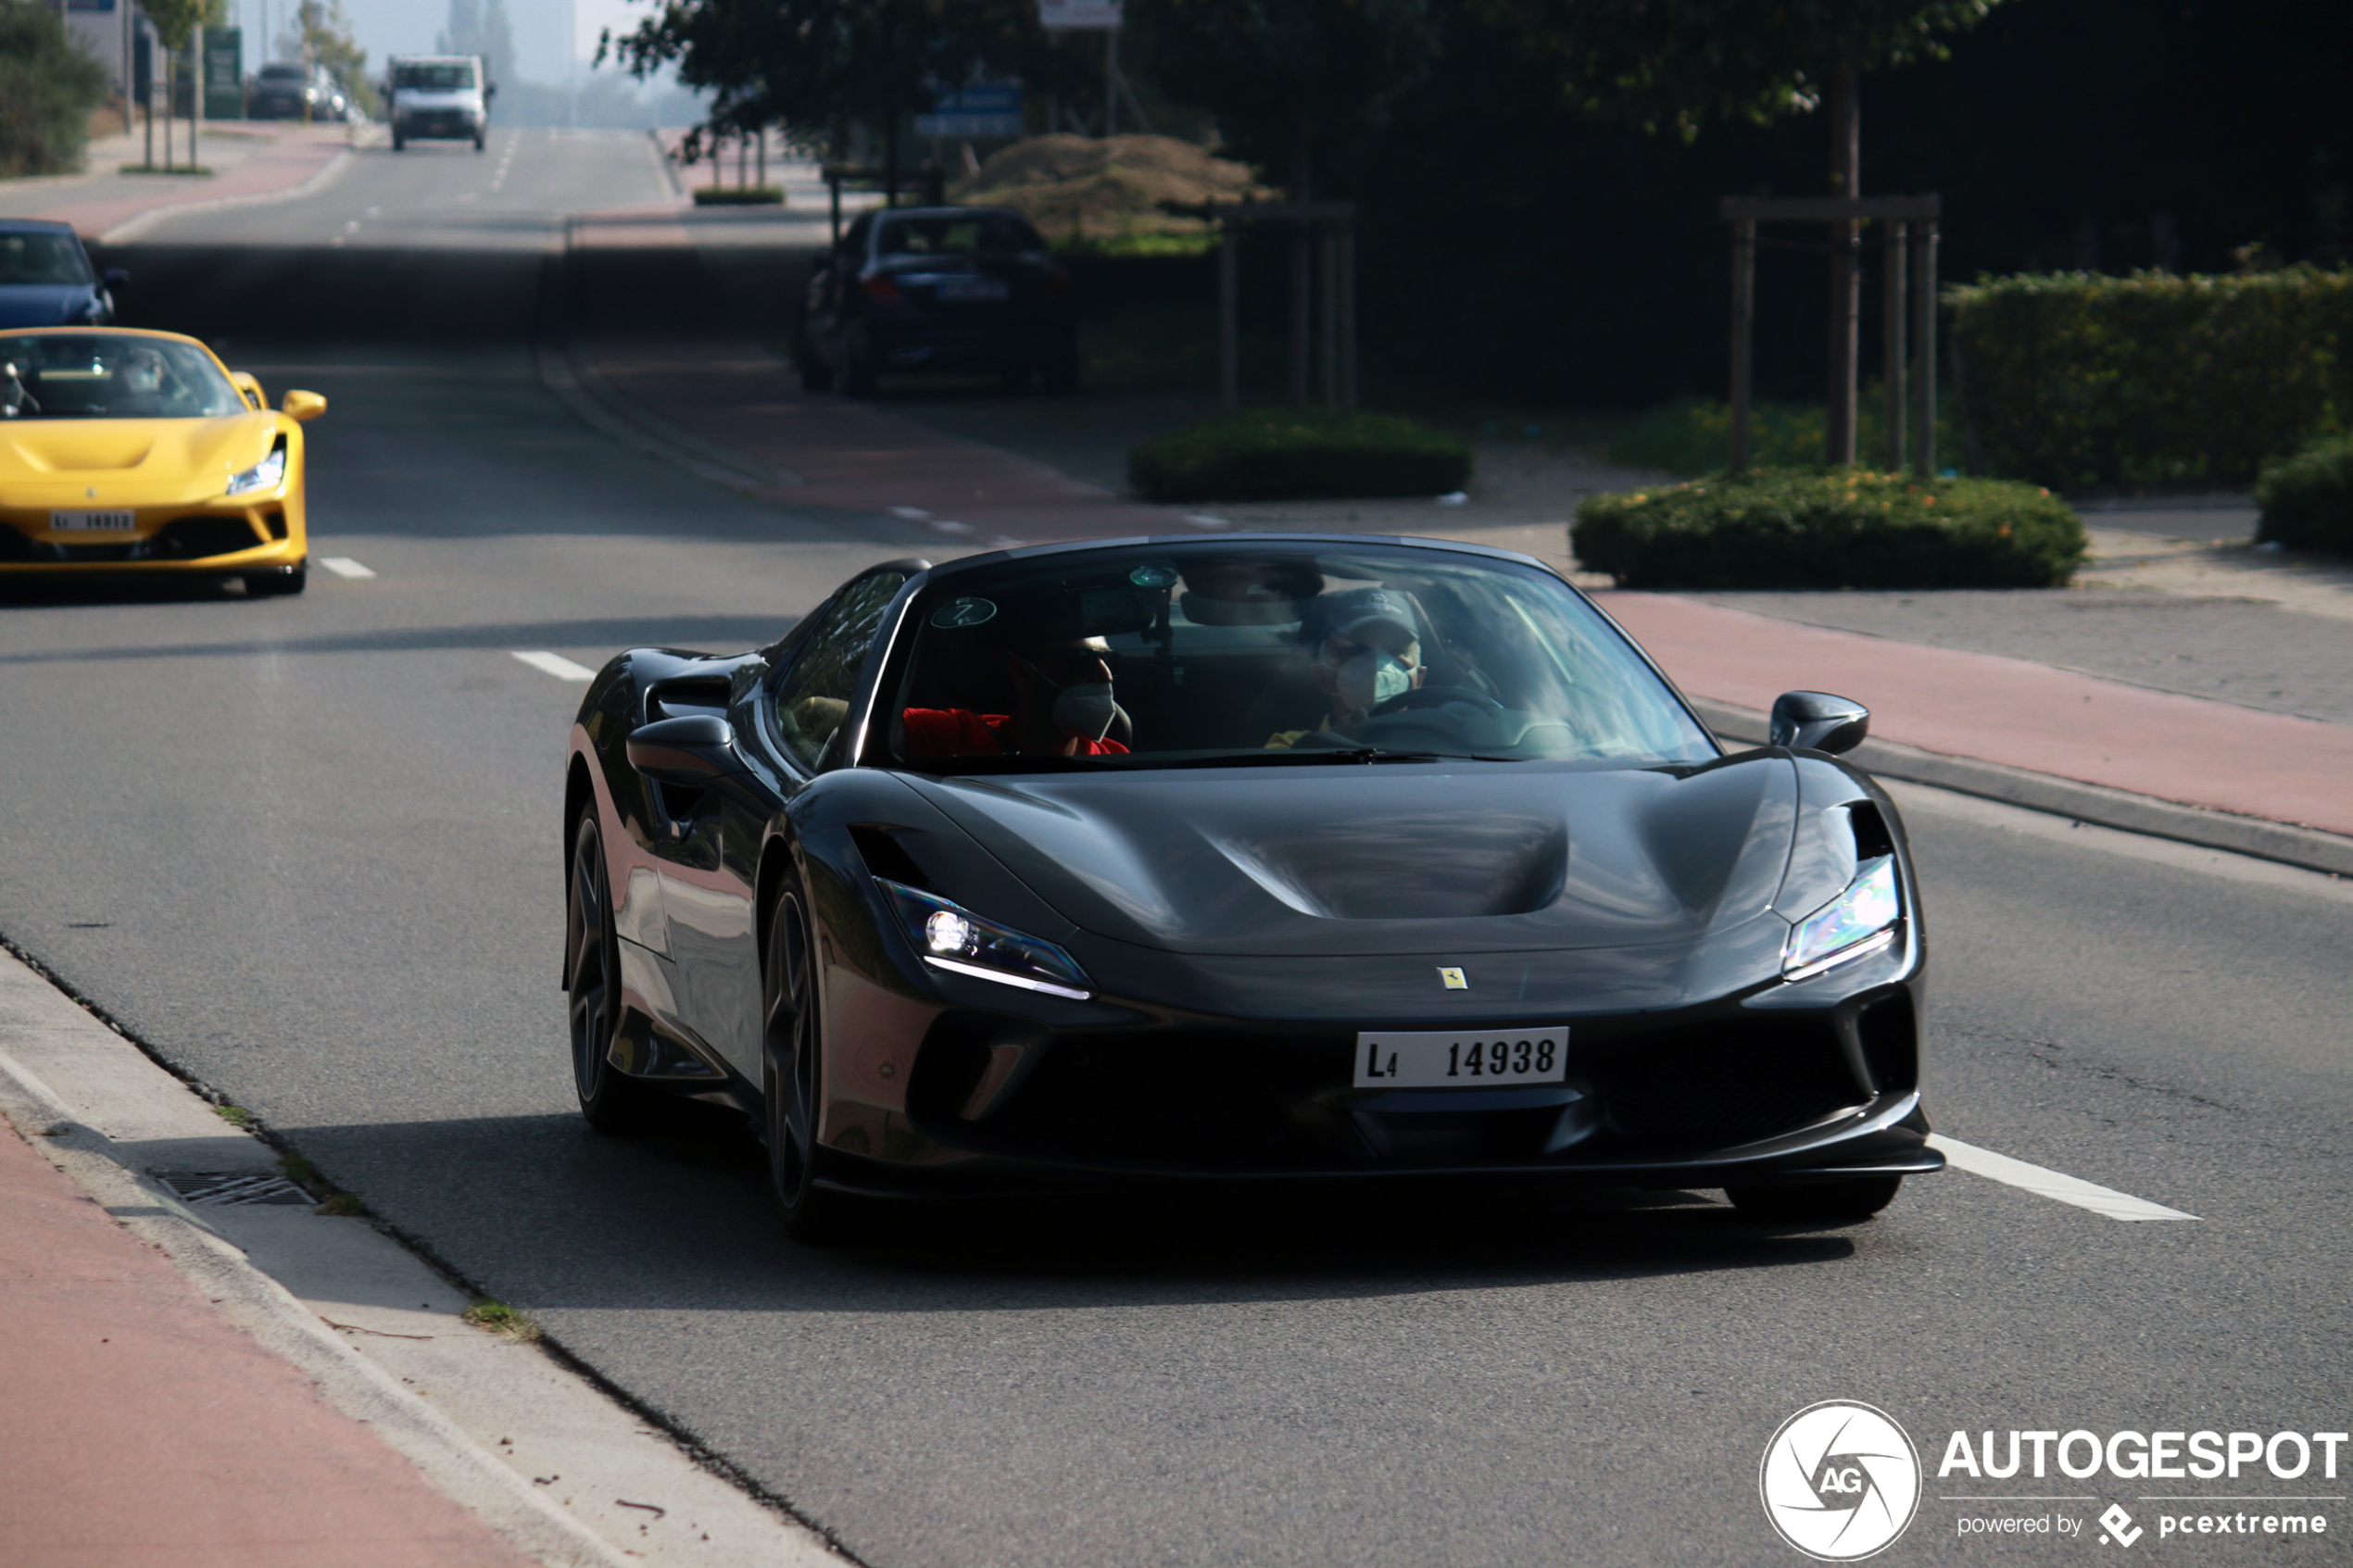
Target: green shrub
739,196
1831,528
1294,454
2074,380
48,89
2308,499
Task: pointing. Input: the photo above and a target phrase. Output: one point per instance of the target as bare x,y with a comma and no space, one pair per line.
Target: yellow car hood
132,461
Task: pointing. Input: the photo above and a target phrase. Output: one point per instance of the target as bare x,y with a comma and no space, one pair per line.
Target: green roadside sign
224,73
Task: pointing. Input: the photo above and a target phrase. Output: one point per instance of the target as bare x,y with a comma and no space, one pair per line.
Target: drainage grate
234,1186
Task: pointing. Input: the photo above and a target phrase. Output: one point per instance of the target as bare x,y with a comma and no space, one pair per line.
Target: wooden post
1347,243
1924,349
1328,316
1744,332
1846,281
1229,245
1897,409
1302,303
833,193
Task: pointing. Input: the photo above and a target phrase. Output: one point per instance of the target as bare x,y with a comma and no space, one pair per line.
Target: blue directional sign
985,109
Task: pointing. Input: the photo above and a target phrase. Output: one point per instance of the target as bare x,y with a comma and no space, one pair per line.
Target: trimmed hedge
1831,528
2308,499
2072,380
1298,454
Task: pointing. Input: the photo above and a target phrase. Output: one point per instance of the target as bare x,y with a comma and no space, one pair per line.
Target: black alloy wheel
792,1037
1816,1203
610,1100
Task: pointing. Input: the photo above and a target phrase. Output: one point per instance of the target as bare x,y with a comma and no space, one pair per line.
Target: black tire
610,1100
859,371
815,374
794,1048
1826,1203
269,584
1015,378
398,140
478,142
1061,373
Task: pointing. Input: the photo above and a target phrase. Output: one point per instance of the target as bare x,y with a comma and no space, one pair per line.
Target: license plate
975,291
1453,1060
90,523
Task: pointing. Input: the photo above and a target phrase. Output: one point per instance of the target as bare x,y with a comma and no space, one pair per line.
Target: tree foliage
320,29
1292,82
48,89
817,67
1675,65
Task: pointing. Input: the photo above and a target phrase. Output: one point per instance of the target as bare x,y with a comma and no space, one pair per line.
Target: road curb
131,229
2309,848
109,1081
451,1461
570,371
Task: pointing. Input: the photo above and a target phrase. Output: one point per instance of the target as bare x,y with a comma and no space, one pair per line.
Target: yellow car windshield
110,376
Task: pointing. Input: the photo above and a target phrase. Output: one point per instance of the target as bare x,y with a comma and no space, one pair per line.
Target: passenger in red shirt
1062,707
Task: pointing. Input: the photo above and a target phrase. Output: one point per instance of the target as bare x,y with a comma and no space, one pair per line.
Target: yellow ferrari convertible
140,452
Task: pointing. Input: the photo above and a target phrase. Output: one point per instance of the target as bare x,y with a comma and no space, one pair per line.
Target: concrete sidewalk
145,1431
252,162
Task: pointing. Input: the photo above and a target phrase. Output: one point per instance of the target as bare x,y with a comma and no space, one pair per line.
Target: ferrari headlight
1859,920
954,938
266,474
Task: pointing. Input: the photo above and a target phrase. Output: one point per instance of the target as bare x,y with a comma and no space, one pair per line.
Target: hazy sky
409,27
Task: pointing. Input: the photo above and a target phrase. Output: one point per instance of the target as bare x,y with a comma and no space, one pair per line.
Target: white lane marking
2050,1183
343,566
555,664
351,226
947,526
1200,520
913,514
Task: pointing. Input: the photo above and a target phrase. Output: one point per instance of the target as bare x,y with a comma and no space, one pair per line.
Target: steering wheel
1432,696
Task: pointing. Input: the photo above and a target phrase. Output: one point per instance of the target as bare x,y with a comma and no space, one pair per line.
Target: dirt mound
1086,189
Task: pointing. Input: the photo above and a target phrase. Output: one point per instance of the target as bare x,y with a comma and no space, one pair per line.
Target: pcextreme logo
1840,1481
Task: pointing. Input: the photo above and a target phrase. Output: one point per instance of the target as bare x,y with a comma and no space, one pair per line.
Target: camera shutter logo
1840,1481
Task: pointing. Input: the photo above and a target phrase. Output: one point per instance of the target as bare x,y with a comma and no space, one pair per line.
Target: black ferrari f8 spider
1251,858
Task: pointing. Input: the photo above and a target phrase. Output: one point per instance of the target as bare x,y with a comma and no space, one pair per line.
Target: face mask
1370,679
1086,709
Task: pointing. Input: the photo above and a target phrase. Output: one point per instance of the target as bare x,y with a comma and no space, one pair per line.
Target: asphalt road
308,851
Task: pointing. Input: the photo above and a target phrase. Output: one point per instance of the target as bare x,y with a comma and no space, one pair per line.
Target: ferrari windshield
110,376
34,255
1221,654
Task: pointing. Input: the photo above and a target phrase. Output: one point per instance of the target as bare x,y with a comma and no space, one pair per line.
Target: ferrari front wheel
1826,1203
793,1035
609,1100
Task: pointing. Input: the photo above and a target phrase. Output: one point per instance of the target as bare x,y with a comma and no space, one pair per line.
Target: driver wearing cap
1371,652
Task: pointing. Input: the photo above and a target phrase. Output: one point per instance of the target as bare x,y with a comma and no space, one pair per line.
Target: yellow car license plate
90,523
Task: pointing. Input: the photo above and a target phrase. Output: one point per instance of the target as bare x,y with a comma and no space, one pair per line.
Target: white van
438,98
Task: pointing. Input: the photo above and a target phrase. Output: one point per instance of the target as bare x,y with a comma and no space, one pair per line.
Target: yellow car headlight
266,474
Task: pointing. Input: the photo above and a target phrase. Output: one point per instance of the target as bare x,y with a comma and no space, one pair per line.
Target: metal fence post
1895,408
1744,332
1229,241
1924,349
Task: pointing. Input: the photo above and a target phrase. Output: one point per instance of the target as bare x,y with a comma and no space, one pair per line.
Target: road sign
988,109
1095,16
224,72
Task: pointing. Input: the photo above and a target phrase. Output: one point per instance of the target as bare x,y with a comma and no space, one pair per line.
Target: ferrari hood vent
1494,858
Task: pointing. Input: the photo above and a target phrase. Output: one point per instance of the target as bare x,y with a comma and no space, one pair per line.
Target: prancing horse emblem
1454,978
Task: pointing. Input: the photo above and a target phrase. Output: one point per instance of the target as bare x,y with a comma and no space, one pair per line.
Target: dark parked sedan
46,278
938,288
1258,857
285,90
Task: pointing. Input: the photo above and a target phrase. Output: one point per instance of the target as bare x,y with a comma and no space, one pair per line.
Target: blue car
46,278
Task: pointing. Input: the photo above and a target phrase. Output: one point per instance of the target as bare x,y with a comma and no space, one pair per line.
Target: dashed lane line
555,664
2050,1183
343,566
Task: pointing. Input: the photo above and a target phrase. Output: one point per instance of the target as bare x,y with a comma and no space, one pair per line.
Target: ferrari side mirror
1818,722
302,406
691,751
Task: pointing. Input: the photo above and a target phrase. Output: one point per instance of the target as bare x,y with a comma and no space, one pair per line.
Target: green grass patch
1831,528
235,1115
496,1317
159,168
1088,246
1298,454
739,196
2308,499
